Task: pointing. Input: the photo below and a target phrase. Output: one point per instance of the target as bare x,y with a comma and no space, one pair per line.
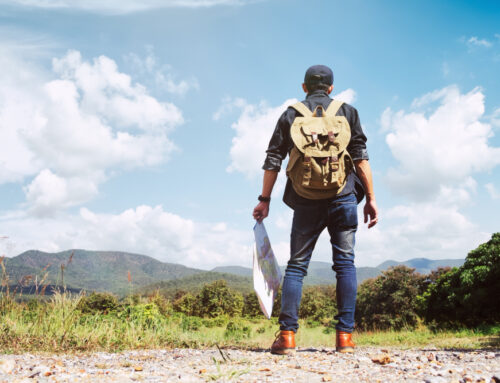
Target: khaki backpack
319,162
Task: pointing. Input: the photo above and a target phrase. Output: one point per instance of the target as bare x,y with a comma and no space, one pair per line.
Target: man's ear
304,87
330,89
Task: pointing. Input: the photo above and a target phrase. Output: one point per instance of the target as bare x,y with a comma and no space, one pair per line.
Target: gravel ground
307,365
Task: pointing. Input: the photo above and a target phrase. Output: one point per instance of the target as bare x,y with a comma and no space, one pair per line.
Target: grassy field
59,325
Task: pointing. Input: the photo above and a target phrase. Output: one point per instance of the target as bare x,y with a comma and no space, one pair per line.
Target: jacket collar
317,93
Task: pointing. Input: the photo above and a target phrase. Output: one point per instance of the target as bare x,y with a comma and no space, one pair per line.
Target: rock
7,366
382,359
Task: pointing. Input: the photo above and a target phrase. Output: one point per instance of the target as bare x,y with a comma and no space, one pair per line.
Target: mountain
108,271
236,270
194,283
423,265
94,270
321,273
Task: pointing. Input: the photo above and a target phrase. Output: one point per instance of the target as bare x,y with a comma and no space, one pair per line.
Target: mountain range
122,273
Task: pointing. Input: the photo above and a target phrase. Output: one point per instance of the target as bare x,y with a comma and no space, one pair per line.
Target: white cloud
162,75
145,230
227,106
477,42
48,192
439,144
495,118
492,191
418,230
70,129
121,6
254,129
348,96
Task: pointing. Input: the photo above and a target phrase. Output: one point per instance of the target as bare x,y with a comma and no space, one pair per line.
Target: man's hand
261,211
370,211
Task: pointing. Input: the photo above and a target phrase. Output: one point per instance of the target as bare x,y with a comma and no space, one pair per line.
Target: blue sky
142,126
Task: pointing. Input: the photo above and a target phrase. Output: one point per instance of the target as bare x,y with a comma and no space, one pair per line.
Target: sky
141,126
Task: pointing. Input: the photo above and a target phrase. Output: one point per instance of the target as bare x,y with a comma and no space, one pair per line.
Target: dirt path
308,365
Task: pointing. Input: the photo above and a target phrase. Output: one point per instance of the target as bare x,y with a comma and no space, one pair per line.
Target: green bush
251,307
163,304
389,301
467,296
145,314
237,331
97,303
191,324
186,304
217,299
318,303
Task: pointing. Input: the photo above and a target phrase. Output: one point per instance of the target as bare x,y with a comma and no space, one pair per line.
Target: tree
467,295
318,302
389,301
217,299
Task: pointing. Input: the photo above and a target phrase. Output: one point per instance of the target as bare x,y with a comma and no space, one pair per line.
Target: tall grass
65,322
59,325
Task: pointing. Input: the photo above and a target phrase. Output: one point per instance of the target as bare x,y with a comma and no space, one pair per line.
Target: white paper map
266,272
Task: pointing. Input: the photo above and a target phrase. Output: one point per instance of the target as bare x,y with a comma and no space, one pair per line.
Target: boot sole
285,351
345,350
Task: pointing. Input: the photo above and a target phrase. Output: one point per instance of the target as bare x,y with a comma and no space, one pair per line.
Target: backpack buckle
315,137
331,137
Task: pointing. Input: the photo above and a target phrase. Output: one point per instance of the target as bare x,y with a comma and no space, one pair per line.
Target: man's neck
317,92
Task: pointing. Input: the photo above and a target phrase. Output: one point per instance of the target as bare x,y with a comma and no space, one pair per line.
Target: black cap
318,74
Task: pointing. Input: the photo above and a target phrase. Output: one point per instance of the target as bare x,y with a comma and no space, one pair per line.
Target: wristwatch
264,199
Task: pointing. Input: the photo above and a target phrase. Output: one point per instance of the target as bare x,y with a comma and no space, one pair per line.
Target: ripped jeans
341,218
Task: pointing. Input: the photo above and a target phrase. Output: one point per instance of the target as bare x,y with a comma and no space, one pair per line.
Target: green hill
423,265
94,270
194,283
108,271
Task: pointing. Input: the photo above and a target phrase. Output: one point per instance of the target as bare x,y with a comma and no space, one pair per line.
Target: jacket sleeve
357,145
278,145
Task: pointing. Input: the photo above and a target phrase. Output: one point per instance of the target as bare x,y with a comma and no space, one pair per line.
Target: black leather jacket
281,144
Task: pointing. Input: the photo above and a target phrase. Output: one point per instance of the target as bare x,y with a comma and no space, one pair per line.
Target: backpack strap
302,109
333,108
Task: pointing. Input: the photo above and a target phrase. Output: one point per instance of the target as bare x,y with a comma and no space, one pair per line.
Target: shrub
186,304
251,305
318,302
145,314
467,296
162,303
191,324
389,301
237,331
97,303
217,299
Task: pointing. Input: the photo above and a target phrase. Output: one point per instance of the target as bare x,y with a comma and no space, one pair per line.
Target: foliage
467,295
236,330
186,304
251,307
97,303
217,299
389,301
318,302
191,324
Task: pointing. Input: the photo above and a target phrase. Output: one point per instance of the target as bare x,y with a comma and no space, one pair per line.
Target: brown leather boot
344,342
284,343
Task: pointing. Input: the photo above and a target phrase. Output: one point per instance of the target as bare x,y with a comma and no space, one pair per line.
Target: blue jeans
340,216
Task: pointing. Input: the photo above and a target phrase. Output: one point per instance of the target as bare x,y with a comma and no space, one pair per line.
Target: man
328,203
